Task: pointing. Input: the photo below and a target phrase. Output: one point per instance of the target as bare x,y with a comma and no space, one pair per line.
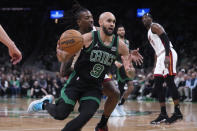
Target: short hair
118,26
148,14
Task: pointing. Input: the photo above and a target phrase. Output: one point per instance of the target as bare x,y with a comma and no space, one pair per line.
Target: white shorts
160,69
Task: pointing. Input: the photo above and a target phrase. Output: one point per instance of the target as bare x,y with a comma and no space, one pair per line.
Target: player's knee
88,113
116,94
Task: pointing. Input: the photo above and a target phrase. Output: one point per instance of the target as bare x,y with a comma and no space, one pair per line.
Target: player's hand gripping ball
71,41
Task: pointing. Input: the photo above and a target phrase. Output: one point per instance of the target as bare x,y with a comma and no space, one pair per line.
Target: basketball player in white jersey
165,68
14,52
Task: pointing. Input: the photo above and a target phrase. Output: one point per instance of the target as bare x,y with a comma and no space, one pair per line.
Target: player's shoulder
156,27
87,35
95,28
87,38
127,41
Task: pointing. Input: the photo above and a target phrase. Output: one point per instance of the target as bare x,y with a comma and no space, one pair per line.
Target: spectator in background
178,78
191,85
42,81
149,82
182,86
15,86
49,84
32,80
24,86
55,89
194,86
4,85
37,91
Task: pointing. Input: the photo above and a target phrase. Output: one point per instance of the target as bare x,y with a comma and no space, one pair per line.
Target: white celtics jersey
156,42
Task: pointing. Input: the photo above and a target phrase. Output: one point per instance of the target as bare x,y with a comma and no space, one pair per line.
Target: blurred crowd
35,83
29,82
185,80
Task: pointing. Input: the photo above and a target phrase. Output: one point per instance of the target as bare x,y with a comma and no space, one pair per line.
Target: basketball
71,41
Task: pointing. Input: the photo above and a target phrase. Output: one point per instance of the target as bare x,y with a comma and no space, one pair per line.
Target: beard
107,32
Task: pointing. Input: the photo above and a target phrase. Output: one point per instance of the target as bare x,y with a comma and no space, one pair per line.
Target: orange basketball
71,41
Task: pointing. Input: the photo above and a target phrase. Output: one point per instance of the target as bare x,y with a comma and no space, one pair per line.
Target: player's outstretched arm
14,52
126,59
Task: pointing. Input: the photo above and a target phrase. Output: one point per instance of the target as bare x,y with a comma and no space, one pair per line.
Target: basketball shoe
121,111
36,105
160,119
115,113
101,129
176,116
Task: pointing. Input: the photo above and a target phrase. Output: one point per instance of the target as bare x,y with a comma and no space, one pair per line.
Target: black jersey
95,61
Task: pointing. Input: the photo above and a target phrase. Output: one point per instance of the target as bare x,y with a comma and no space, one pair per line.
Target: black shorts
76,89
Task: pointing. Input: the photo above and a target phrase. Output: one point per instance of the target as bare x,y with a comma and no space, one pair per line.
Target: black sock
103,121
45,102
177,108
122,102
163,110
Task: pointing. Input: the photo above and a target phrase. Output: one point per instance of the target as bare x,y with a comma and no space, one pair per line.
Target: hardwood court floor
13,117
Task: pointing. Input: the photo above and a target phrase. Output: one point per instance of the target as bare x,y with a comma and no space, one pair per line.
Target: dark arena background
30,25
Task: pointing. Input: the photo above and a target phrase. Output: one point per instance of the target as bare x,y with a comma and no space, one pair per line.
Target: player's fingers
136,63
139,62
123,59
16,60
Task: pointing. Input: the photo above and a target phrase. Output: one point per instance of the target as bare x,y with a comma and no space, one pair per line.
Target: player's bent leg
60,110
113,94
110,90
87,109
37,105
127,92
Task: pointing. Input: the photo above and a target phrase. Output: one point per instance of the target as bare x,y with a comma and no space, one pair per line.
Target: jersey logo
96,45
113,48
77,78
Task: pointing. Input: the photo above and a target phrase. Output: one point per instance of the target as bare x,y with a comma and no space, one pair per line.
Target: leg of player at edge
113,95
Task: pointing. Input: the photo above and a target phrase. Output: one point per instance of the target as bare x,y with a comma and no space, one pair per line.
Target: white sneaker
121,110
186,100
115,113
190,100
36,105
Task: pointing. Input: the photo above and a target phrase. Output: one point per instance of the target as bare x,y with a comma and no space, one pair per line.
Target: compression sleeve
166,42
